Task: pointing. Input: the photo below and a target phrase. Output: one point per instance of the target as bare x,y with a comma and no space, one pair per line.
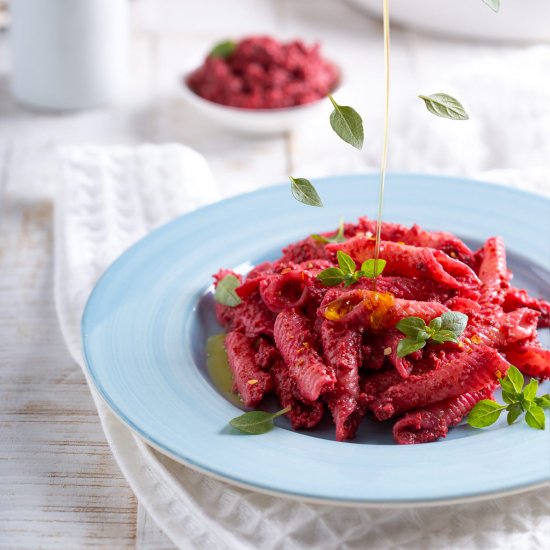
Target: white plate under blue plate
145,326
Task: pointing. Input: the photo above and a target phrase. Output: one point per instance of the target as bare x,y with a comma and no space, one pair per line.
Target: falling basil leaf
493,4
445,106
484,413
256,422
225,291
347,123
303,191
223,49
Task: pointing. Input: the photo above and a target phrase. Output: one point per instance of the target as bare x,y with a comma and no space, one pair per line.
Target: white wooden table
59,485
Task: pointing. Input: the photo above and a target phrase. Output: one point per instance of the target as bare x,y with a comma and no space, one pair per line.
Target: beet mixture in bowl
260,72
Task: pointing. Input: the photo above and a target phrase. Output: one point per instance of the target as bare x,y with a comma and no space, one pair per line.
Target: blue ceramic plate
146,323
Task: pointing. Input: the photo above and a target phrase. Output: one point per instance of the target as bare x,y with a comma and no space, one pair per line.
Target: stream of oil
384,159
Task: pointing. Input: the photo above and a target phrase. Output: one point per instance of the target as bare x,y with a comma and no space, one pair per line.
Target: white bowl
257,122
517,20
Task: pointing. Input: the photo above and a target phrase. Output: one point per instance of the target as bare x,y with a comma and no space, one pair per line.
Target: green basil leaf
338,238
411,326
349,279
331,277
223,49
225,291
445,336
347,123
445,106
507,386
513,413
435,324
409,345
535,417
454,321
256,422
530,391
304,192
509,397
346,263
484,413
493,4
372,268
543,401
514,377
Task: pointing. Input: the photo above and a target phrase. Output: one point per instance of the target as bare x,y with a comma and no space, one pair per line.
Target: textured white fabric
111,197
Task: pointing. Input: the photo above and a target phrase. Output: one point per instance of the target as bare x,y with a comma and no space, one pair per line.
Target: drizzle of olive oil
218,368
384,160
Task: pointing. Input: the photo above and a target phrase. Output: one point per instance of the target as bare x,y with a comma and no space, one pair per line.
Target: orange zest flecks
252,381
476,339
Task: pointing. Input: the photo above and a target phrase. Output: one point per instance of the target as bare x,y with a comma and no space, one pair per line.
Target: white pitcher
68,54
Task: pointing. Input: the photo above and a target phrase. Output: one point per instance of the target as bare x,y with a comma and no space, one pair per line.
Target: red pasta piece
390,231
451,245
505,328
493,272
302,414
514,298
410,261
390,341
293,287
251,382
431,423
347,413
342,349
463,372
530,359
251,317
376,310
295,342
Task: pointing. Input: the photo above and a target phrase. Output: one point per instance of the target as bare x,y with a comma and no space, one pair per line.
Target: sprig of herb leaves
445,106
518,400
445,328
347,271
338,238
225,291
256,422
